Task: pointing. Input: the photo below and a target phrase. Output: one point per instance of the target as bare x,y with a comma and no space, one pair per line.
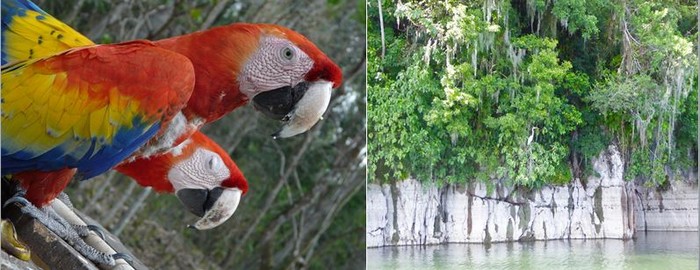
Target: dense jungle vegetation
529,92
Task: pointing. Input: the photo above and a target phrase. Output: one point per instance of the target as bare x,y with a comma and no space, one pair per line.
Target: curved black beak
213,206
299,107
199,201
278,103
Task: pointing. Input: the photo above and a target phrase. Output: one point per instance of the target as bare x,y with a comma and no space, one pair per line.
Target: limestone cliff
604,206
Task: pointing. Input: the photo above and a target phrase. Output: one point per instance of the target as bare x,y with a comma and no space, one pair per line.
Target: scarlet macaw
86,109
229,66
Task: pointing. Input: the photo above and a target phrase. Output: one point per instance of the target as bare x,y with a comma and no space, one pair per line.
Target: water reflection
655,250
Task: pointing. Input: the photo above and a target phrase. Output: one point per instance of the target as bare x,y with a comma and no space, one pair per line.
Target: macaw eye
214,163
287,53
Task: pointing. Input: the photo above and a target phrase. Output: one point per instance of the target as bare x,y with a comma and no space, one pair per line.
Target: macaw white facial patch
277,63
204,169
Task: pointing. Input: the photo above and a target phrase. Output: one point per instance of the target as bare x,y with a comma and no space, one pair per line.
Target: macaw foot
66,231
82,230
11,244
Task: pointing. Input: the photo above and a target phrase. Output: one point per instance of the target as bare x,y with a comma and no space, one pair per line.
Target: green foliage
631,96
196,15
579,15
487,91
642,167
590,142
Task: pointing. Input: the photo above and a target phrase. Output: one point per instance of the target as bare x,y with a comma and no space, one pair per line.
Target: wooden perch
51,252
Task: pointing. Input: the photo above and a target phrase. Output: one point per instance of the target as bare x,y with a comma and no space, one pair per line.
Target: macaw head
289,79
200,173
286,75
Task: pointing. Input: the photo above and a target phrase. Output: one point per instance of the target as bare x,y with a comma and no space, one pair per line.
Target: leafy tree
528,92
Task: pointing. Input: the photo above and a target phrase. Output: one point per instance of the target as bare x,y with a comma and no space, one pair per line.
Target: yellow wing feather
64,106
41,110
37,35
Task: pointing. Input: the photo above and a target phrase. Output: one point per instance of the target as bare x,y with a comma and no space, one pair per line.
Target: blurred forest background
526,93
306,204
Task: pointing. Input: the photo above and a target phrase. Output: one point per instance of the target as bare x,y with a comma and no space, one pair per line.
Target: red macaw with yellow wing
73,108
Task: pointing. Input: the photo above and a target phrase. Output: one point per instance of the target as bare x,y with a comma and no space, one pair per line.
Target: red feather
43,187
216,67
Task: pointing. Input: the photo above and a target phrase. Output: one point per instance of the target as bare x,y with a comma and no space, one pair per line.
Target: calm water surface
653,250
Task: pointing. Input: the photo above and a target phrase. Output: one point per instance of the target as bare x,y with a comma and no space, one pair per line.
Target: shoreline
604,206
526,241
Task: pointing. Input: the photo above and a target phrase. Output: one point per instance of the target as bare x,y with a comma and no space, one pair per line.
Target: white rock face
675,209
410,213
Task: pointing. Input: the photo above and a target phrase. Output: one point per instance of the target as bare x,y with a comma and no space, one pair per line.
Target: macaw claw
123,256
84,230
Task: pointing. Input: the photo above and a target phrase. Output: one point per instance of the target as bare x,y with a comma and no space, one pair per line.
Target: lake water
653,250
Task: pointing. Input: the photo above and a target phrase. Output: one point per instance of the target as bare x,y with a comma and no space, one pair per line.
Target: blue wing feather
89,164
